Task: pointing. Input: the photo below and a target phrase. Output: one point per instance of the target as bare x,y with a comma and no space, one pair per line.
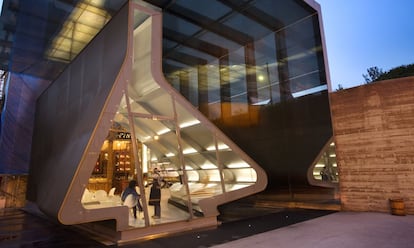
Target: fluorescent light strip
189,123
163,131
189,151
238,165
208,166
220,147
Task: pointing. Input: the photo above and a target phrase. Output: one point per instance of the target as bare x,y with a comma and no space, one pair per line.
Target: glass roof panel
219,41
247,26
82,25
211,9
179,25
196,53
286,11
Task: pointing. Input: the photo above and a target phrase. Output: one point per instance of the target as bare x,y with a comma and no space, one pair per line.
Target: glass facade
217,98
256,74
256,70
155,128
326,169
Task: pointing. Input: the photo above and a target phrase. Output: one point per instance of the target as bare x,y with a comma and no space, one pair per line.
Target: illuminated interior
196,163
202,91
325,171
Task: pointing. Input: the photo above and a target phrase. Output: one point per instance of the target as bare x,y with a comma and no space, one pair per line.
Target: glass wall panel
220,41
199,154
258,75
262,79
171,22
302,53
160,149
213,82
162,154
326,169
154,127
267,75
237,77
114,168
236,173
210,9
192,77
171,142
248,26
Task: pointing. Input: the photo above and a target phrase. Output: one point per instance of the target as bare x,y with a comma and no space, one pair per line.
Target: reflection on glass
236,172
154,135
114,168
253,73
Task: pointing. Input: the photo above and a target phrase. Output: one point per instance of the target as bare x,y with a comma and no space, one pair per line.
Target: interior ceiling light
207,166
163,131
238,165
189,150
189,123
85,21
220,146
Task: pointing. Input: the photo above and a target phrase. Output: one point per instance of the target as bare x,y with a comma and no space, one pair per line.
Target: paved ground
20,228
338,230
283,228
234,230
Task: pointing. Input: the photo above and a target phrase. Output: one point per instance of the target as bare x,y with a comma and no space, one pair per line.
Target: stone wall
374,134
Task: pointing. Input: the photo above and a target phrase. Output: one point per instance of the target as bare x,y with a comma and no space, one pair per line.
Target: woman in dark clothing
155,193
131,190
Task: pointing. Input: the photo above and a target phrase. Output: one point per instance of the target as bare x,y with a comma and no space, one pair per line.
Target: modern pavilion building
226,98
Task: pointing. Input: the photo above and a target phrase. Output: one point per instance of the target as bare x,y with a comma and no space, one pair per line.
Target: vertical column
185,84
203,89
225,89
282,65
251,80
110,164
319,49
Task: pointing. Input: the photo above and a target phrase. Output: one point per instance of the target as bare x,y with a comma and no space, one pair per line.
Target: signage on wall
123,135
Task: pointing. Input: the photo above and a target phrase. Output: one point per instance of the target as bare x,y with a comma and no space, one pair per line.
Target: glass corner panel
326,170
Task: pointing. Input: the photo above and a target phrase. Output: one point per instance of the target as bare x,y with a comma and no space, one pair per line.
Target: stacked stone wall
374,134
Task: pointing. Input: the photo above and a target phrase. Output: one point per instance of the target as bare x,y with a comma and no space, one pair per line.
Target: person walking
155,193
130,190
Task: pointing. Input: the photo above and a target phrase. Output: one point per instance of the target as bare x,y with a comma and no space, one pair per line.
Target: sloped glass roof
39,38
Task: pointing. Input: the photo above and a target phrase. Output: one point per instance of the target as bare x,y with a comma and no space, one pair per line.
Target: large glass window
326,169
260,77
156,138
